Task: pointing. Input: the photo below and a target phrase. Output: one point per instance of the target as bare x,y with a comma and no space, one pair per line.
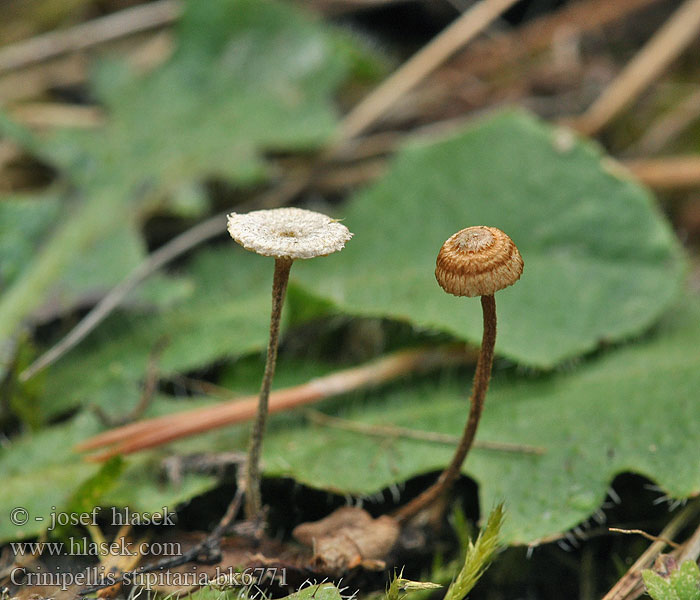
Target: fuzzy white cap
288,232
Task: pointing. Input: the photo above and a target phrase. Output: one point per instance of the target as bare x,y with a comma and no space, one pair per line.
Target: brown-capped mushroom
286,234
476,261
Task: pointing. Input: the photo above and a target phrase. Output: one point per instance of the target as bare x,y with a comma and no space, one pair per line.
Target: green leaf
24,220
629,410
601,263
225,313
88,494
658,587
321,591
686,580
41,473
24,223
682,583
246,77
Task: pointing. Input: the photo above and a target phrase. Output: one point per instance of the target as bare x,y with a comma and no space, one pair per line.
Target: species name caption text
99,576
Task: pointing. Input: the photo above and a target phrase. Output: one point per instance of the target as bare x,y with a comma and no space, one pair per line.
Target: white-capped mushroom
286,234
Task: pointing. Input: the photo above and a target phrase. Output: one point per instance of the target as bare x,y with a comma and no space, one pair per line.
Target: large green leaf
25,221
633,409
600,262
247,77
41,472
225,313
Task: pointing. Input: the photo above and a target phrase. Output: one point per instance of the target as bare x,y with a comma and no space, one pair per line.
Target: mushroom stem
253,499
482,376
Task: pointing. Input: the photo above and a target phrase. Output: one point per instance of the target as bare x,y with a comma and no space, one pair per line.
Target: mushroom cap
288,232
478,261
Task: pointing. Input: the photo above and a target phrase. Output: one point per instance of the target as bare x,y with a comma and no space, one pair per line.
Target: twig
688,550
669,126
631,582
149,388
691,547
157,431
98,31
384,431
665,45
47,114
652,538
425,61
584,16
669,172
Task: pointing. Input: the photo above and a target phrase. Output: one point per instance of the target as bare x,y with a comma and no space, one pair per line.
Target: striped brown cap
478,261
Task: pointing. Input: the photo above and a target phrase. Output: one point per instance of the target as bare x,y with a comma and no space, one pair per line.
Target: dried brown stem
666,44
691,547
482,376
630,586
667,172
160,430
668,127
392,431
98,31
253,500
53,114
644,534
425,61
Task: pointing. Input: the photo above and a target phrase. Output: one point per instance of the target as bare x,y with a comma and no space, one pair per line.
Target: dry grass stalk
630,586
86,35
666,45
418,67
157,431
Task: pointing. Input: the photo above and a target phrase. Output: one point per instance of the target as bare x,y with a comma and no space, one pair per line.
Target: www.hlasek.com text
85,547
